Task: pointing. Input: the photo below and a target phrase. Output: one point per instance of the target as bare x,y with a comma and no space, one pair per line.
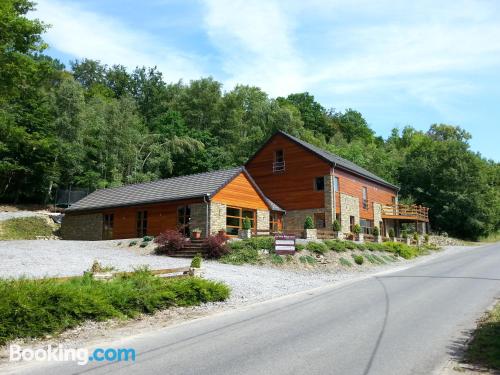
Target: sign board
284,244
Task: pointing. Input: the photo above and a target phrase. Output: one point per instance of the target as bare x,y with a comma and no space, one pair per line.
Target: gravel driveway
249,283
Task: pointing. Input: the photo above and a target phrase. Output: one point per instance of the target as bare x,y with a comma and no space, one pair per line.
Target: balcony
405,212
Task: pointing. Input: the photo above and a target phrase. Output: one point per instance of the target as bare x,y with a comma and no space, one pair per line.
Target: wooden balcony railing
404,211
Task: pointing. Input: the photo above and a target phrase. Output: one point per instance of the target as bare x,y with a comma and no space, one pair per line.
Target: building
284,182
307,181
211,202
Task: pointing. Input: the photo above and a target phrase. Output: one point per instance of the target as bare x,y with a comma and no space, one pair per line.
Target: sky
397,62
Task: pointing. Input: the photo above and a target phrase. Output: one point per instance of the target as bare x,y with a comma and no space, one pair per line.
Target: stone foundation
262,220
82,227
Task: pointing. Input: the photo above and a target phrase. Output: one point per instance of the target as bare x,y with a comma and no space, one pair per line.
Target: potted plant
416,238
376,234
404,235
196,234
356,229
392,234
246,231
310,232
337,229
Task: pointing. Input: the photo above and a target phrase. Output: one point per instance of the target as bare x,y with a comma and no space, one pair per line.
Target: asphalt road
406,322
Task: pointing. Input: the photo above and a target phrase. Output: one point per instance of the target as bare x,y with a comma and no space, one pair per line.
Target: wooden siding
161,216
240,193
353,185
292,189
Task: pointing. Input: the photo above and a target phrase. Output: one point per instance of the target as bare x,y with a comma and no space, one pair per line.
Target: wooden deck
405,212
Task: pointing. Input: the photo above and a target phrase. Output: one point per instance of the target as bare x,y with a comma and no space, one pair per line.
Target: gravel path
248,283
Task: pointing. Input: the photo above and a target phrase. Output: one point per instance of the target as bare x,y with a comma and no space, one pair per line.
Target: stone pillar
262,220
377,214
217,217
349,206
329,202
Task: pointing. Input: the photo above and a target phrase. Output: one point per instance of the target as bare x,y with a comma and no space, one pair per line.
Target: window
279,161
234,219
319,220
183,219
393,198
275,222
142,223
336,184
365,198
352,222
107,226
366,226
319,184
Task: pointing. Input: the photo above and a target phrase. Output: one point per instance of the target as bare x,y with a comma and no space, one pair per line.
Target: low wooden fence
165,272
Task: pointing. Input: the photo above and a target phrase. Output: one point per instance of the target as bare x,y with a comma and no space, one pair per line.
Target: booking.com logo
81,356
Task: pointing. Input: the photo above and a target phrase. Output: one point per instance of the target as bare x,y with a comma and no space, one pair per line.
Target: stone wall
349,206
199,217
294,219
262,220
82,227
329,202
217,217
377,214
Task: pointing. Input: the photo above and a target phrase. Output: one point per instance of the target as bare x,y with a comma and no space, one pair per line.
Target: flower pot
339,235
245,234
310,234
196,235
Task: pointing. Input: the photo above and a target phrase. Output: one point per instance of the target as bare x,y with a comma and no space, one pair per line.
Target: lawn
25,228
34,308
484,349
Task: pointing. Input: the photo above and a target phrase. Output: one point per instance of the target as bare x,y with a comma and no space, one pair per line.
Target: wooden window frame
275,221
240,218
142,223
364,197
279,166
352,223
315,182
366,229
336,184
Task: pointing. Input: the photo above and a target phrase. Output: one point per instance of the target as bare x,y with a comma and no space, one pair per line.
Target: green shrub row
35,308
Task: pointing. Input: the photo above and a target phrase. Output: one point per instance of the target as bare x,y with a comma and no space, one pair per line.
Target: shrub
308,223
373,246
51,306
401,249
307,259
240,254
144,244
276,259
392,234
358,259
370,259
317,247
299,247
260,243
336,226
196,261
216,246
350,245
169,241
415,236
356,229
147,238
337,246
404,234
345,262
379,259
246,224
426,238
376,231
98,267
361,246
132,243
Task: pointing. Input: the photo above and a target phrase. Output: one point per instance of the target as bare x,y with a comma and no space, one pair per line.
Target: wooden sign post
284,244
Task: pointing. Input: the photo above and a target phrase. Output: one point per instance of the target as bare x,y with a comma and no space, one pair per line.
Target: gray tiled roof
340,162
175,188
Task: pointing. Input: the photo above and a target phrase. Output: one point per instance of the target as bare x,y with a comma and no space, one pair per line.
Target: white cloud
84,34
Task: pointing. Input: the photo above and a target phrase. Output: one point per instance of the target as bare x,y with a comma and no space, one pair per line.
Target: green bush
370,259
336,226
299,247
373,246
345,262
276,259
247,224
147,238
376,231
132,243
196,261
404,234
335,245
144,244
426,238
392,234
307,259
50,306
260,243
360,246
317,247
25,228
358,259
401,249
350,245
241,252
356,229
308,223
415,236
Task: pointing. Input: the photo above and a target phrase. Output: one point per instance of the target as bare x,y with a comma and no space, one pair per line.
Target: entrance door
107,226
319,220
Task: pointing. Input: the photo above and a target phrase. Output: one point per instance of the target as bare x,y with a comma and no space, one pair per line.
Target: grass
276,259
241,252
25,228
345,262
307,259
484,349
317,247
35,308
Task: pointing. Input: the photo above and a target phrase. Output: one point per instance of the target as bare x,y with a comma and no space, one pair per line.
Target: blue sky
397,62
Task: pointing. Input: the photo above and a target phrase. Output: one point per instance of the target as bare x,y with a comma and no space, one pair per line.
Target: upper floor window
319,184
365,197
336,184
279,161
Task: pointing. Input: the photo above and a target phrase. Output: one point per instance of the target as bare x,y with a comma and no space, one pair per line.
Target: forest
91,126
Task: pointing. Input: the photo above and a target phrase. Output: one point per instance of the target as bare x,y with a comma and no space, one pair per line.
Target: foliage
144,244
335,245
196,261
345,262
51,306
241,252
404,234
415,236
356,229
392,233
401,249
299,247
169,241
147,238
308,223
484,348
216,245
376,231
260,242
426,238
373,246
25,228
196,230
98,267
358,259
336,226
307,259
317,247
276,259
246,224
350,245
132,243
